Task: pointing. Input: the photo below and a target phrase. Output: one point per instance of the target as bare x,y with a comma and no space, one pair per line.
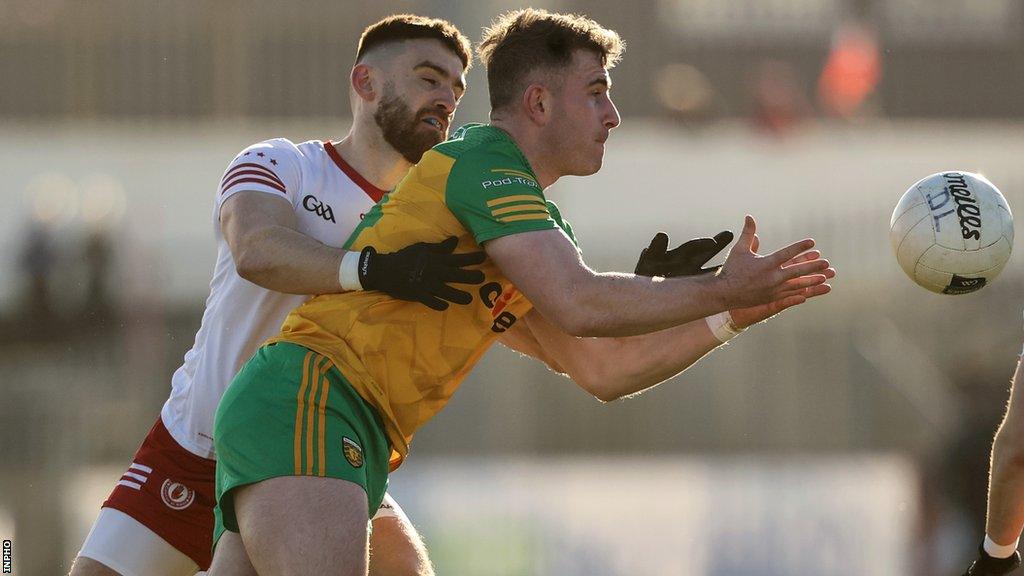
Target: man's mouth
434,122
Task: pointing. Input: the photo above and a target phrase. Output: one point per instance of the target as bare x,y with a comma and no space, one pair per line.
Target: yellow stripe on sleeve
519,217
512,172
517,198
519,208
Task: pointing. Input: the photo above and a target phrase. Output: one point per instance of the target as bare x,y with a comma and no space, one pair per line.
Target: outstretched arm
610,368
550,272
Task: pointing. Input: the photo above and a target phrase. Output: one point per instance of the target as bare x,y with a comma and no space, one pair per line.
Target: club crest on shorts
353,453
176,495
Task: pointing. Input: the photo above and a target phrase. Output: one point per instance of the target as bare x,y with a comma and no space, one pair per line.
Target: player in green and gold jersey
310,428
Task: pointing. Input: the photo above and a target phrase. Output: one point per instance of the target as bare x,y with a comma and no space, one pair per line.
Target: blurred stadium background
848,437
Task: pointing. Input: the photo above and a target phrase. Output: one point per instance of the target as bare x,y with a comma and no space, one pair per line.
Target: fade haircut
400,27
521,41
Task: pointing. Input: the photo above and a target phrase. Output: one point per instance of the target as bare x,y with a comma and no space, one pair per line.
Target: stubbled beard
403,129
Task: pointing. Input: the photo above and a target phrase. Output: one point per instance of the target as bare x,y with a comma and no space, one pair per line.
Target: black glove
686,259
986,565
421,273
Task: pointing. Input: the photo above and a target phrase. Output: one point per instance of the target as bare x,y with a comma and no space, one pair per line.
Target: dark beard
402,129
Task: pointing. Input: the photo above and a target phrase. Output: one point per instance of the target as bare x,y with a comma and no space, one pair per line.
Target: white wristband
997,551
348,272
722,327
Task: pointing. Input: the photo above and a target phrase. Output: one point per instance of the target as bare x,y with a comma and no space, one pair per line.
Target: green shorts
290,412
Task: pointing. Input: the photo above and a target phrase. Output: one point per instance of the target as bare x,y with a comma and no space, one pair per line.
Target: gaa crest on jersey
321,209
176,495
353,453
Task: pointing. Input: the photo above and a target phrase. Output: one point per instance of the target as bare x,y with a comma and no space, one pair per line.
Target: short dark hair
518,42
401,27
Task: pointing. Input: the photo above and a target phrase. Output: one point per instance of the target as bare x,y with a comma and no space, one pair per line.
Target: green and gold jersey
403,358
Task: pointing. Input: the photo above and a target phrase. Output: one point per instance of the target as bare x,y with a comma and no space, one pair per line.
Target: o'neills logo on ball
176,495
967,209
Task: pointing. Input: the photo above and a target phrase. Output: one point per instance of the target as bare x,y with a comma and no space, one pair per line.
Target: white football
952,232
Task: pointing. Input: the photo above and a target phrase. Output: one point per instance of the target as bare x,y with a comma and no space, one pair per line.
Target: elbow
607,395
249,265
600,382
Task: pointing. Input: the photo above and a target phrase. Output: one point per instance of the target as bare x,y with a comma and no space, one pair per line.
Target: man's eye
431,81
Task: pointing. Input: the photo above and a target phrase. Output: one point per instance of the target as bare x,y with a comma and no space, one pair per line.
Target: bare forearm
1006,481
285,260
634,364
621,305
548,269
611,368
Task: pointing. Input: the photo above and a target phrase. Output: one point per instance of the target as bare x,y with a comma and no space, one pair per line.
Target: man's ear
363,81
537,102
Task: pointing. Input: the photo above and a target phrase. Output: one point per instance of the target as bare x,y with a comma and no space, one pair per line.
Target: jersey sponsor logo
509,176
353,453
176,495
508,180
321,209
496,299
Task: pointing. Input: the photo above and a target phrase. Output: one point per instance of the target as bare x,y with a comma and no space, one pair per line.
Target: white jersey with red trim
329,199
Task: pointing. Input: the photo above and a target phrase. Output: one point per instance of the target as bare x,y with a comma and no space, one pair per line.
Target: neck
365,149
533,146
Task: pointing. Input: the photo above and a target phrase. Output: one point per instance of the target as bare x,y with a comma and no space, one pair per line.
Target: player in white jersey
281,214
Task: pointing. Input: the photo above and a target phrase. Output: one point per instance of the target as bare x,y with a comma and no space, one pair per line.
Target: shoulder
276,145
274,152
273,166
486,154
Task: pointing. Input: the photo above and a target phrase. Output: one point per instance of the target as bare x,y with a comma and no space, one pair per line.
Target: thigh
230,558
121,545
304,525
396,549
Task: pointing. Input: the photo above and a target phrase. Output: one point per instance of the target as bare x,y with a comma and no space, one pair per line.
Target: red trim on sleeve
261,173
372,191
262,181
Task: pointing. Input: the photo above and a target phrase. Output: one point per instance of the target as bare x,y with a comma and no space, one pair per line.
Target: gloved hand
686,259
986,565
422,273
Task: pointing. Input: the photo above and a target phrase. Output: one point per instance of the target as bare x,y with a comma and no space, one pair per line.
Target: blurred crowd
66,282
